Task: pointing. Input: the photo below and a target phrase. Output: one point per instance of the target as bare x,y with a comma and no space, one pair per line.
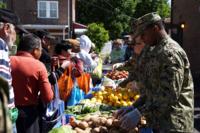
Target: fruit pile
118,98
115,75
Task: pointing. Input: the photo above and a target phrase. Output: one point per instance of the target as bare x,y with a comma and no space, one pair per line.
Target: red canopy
79,26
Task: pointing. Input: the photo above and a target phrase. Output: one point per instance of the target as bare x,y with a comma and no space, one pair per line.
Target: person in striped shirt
8,26
7,39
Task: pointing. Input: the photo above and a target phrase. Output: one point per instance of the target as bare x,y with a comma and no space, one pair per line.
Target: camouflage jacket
5,122
129,66
167,85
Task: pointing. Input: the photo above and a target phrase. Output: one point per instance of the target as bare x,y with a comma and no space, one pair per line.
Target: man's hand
117,65
132,85
120,113
130,120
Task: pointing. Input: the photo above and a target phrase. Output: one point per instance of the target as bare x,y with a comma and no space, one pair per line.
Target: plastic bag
98,70
76,95
54,111
66,83
107,82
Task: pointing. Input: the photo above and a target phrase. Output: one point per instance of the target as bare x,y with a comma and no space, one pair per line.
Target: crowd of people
157,66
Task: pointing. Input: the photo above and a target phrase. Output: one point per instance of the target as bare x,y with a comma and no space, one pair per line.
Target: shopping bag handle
55,87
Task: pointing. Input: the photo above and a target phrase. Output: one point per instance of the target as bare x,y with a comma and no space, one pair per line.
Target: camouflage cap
144,21
133,24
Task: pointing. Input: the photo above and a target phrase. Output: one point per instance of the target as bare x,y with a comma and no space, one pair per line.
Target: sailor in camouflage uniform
168,98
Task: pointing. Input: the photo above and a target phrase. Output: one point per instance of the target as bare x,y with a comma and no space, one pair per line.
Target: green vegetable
105,107
63,129
74,109
82,109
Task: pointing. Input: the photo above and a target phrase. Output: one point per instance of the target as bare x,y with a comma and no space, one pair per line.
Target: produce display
95,115
100,124
118,97
116,75
87,108
82,108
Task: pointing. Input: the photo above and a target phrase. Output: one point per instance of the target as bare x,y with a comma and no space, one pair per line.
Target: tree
146,6
98,35
2,5
116,14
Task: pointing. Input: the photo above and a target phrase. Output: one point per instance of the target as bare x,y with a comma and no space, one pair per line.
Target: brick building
187,12
56,16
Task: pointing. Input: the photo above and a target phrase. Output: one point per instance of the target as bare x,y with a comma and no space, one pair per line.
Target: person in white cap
85,46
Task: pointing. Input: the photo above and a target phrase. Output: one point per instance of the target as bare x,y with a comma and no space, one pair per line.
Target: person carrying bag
53,112
71,83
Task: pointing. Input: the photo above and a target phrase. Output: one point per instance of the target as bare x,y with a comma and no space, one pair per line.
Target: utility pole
69,18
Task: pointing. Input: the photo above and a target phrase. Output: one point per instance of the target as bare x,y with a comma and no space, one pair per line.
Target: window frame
48,9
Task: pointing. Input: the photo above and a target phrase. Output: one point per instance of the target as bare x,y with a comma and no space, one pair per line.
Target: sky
169,2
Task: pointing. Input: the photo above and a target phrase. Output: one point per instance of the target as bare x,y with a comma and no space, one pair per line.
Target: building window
47,9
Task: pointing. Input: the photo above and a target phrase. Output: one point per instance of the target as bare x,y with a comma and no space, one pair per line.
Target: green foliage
146,6
98,35
116,14
2,5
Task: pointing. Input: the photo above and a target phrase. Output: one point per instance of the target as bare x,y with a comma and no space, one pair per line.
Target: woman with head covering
85,46
72,74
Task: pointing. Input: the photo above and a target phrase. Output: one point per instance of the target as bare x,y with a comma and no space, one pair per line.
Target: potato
109,122
116,123
83,125
143,122
136,130
88,130
90,123
96,130
103,129
87,118
78,130
94,117
103,120
96,121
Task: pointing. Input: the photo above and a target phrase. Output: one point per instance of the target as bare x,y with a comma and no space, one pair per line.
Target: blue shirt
5,71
